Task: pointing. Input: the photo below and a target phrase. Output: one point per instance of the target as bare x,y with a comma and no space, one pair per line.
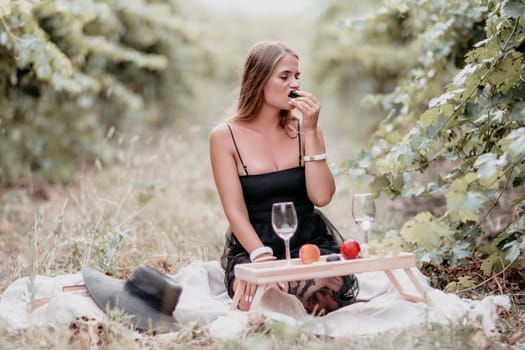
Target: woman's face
283,79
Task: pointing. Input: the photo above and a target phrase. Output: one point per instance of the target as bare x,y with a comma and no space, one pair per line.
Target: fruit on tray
350,249
309,253
333,257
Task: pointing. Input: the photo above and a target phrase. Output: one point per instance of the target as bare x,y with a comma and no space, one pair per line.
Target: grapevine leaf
501,238
513,9
399,151
486,164
487,265
429,117
473,202
412,190
379,184
425,231
433,257
462,75
444,98
512,250
518,111
447,109
517,136
466,282
460,249
463,204
451,287
507,73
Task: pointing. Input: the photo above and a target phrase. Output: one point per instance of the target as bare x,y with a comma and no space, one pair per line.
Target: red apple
350,249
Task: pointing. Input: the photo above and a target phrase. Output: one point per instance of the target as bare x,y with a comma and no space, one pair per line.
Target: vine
455,126
72,70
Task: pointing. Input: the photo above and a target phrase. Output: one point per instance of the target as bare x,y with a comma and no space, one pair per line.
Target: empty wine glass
364,212
284,223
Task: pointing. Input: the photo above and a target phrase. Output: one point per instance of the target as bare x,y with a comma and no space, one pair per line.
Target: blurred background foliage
72,73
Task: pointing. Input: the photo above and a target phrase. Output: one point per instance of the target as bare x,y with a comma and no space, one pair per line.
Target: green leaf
486,164
429,117
518,111
451,287
513,9
502,236
445,98
425,231
512,251
412,190
421,144
460,249
507,73
379,184
472,204
487,265
400,151
434,257
466,282
447,109
463,204
517,136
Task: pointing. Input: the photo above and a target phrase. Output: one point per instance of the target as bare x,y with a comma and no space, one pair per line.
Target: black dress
260,192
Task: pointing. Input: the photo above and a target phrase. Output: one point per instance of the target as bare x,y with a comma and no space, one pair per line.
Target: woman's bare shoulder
219,132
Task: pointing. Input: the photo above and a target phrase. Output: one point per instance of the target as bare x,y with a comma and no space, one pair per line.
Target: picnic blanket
204,300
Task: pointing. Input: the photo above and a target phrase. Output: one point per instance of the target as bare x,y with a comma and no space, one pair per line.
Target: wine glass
364,211
284,223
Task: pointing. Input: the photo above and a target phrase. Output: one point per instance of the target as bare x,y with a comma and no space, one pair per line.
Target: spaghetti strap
299,137
237,149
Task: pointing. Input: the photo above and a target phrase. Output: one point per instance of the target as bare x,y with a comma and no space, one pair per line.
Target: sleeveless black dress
260,192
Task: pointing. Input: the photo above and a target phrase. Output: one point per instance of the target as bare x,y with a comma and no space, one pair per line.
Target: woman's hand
251,288
247,296
320,183
309,106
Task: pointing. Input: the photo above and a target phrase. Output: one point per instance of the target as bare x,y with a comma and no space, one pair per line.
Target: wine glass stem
287,250
366,236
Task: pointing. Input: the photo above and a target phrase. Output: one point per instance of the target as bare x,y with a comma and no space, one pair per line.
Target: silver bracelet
260,251
264,258
321,156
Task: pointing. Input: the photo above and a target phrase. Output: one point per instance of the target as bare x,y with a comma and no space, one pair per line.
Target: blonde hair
260,62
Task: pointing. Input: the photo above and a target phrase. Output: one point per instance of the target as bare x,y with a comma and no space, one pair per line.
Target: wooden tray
279,271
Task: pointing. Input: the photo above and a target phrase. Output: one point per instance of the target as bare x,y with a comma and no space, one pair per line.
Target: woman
263,155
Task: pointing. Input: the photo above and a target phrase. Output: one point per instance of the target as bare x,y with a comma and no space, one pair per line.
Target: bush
455,124
73,72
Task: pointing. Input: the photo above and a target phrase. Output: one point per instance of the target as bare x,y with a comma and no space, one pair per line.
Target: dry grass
158,207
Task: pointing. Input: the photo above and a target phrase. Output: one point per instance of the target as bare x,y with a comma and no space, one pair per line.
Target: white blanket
204,300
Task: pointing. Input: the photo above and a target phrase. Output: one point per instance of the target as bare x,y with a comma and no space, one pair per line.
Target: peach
309,253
